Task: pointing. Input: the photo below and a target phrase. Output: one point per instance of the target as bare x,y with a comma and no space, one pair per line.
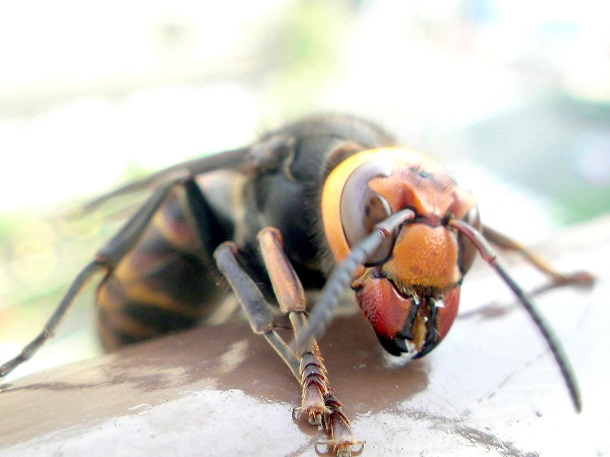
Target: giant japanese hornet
321,204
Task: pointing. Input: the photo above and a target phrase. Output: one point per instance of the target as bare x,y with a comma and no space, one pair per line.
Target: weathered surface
490,389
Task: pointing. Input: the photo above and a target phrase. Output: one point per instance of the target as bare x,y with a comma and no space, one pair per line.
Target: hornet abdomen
165,283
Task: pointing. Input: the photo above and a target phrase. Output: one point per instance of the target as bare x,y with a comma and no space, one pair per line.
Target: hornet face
410,287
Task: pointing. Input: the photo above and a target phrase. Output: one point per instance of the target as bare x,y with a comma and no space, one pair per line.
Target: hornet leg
106,258
581,278
318,401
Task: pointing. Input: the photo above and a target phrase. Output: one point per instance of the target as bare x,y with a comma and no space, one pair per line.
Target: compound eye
467,251
361,208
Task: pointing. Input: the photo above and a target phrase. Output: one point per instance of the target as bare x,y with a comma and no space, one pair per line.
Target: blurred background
513,96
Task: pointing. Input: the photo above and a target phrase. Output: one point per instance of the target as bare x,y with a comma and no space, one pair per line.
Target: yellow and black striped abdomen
166,282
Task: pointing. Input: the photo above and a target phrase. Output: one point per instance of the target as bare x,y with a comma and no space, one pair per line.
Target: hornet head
409,288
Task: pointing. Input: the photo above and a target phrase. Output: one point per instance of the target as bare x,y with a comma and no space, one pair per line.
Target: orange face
409,289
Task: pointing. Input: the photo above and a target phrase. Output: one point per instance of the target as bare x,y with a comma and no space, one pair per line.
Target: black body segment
168,280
